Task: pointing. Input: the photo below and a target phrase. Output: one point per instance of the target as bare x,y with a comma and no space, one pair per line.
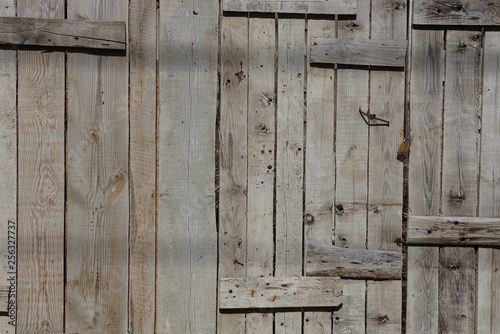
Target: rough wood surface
63,33
294,7
97,183
142,18
353,263
456,231
41,190
279,292
460,12
359,51
383,307
233,159
187,231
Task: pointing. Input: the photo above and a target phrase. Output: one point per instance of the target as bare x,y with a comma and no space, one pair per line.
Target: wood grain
233,159
383,307
187,231
63,33
461,12
41,182
359,51
98,183
294,7
142,253
279,292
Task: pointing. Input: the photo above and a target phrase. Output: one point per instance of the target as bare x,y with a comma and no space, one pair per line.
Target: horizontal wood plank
458,12
295,7
353,263
279,292
457,231
63,33
359,51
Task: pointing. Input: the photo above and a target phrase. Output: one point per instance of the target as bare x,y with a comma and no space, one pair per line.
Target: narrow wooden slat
359,51
319,163
290,160
460,12
353,263
295,7
427,75
63,33
187,234
279,292
488,267
97,183
142,18
261,161
41,182
232,159
457,231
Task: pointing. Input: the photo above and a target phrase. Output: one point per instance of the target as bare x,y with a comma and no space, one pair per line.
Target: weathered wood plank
319,163
488,275
359,51
460,12
41,182
142,18
295,7
383,307
353,263
279,292
233,159
63,33
456,231
97,183
261,161
426,87
290,160
187,234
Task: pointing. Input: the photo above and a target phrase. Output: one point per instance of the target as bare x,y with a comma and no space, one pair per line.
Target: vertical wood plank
387,92
142,29
289,163
187,234
41,182
98,182
460,175
261,162
319,162
233,159
426,89
8,152
488,285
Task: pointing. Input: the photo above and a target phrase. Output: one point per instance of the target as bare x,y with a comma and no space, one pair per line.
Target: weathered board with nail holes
457,231
461,12
279,292
63,33
294,7
358,51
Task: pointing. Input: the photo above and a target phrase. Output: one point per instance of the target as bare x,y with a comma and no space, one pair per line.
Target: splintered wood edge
456,231
279,292
63,33
353,263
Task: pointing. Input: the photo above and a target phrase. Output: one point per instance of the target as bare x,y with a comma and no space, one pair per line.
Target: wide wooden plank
359,51
97,182
460,12
187,234
424,177
456,231
295,7
290,160
279,292
232,159
41,192
63,33
353,263
142,18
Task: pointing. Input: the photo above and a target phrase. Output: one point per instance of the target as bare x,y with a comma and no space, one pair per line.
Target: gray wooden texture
295,7
462,12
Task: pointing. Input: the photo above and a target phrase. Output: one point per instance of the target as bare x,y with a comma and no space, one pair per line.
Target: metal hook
368,117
